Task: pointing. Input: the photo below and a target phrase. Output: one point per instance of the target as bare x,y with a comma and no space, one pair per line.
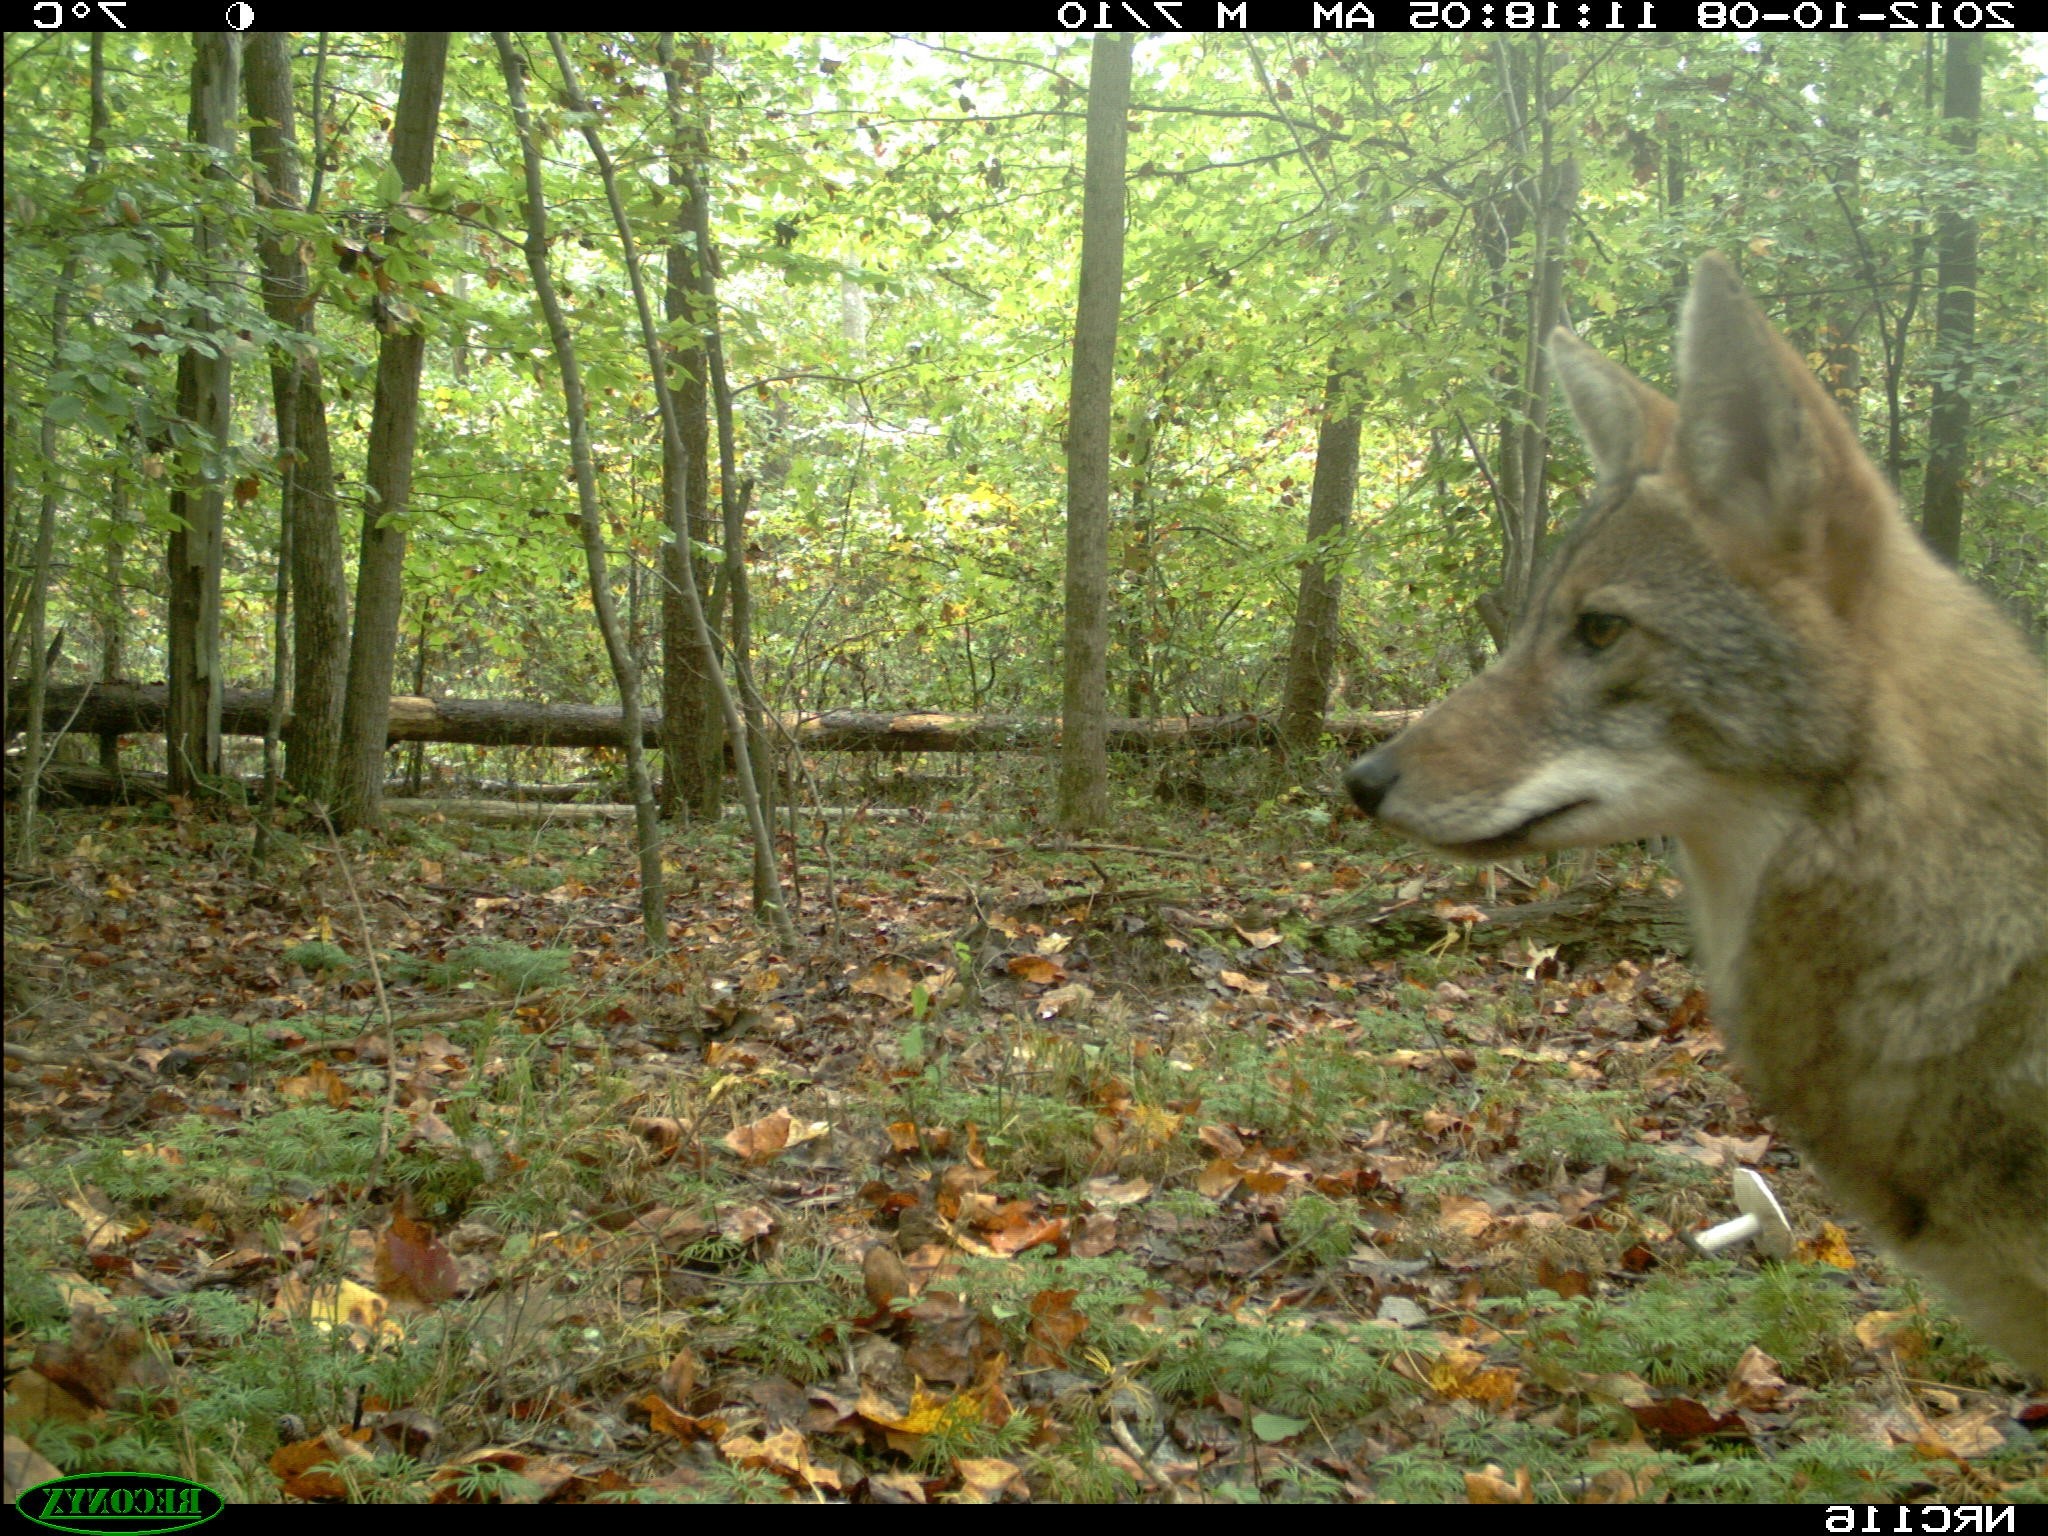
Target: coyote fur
1743,644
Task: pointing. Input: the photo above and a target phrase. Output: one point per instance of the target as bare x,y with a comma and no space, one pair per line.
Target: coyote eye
1597,631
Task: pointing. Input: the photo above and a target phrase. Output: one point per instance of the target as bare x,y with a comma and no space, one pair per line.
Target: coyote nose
1370,778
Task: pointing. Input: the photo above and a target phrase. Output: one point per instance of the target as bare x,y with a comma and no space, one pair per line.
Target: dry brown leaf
1469,1218
896,1488
25,1467
103,1228
679,1376
1491,1486
785,1453
1036,970
891,983
412,1261
1055,1325
1755,1383
661,1131
664,1418
1462,1374
1974,1432
772,1135
33,1399
984,1479
1682,1418
1074,995
319,1081
1219,1178
301,1465
1902,1333
746,1223
883,1275
543,1474
105,1361
1095,1236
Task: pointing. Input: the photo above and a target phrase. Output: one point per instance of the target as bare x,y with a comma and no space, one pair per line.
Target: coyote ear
1626,424
1750,442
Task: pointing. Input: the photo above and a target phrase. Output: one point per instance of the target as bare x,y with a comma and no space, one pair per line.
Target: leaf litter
1037,1175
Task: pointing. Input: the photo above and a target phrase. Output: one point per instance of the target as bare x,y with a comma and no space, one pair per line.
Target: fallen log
122,708
85,784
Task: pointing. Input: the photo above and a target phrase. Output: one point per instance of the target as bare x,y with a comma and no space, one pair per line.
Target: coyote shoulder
1743,644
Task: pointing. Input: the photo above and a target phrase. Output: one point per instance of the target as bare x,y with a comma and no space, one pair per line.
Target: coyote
1743,644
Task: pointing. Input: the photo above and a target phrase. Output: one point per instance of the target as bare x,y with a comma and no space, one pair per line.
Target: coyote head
1703,629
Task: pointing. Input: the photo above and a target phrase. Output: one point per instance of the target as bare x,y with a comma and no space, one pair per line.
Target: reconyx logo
133,1503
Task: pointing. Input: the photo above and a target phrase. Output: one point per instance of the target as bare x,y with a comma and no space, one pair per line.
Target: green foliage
1303,1371
788,1321
1106,1289
512,969
34,1303
1078,1471
1322,1230
1581,1129
1689,1330
902,294
1820,1469
1308,1089
318,956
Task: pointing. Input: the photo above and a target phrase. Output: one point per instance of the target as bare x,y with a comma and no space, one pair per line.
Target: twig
383,999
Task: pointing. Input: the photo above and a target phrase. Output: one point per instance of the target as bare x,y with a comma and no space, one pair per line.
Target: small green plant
485,1482
1304,1091
790,1327
319,957
1319,1228
1418,1475
1105,1291
1075,1470
1581,1129
962,1431
513,969
1301,1371
1828,1468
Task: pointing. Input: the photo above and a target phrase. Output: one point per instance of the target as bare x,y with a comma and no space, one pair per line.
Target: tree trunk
1312,651
199,498
394,428
36,594
1955,311
1084,764
318,580
618,645
1560,190
1140,560
1499,223
693,736
113,624
768,902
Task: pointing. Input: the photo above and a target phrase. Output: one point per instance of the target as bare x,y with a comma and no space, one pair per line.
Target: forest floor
1241,1155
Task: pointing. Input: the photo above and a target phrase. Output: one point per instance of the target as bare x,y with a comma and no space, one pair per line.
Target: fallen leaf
889,982
1036,969
772,1135
412,1261
1492,1487
984,1479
